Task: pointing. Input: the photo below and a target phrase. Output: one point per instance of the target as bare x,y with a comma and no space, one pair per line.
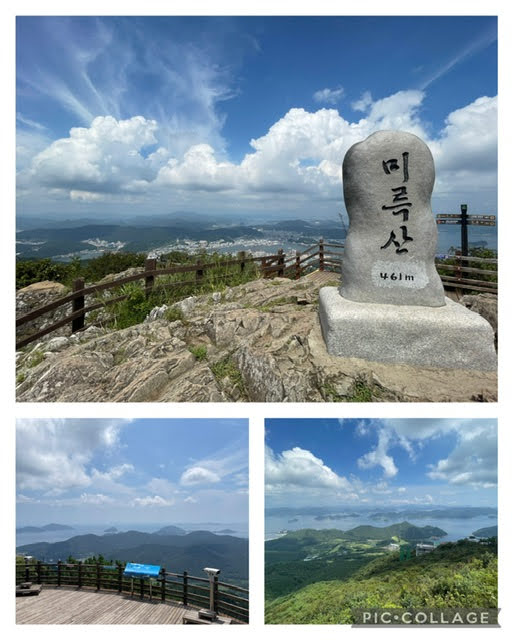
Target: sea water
456,528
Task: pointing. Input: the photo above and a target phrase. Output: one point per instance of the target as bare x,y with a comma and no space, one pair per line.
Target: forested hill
462,574
191,552
404,530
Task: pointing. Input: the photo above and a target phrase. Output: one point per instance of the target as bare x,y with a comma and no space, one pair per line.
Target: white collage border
256,412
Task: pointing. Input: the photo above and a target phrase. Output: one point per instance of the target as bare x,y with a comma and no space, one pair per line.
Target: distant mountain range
338,512
47,527
176,552
144,234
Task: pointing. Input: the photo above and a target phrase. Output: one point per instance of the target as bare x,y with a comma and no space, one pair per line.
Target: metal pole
464,229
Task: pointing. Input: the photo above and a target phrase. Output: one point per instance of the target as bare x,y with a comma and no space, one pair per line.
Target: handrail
271,265
112,578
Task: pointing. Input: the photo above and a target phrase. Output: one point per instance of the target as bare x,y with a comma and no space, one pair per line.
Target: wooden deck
323,277
73,606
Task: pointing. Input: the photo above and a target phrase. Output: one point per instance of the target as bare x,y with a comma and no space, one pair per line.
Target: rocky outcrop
259,342
37,295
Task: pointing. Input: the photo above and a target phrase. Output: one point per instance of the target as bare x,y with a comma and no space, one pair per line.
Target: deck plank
73,606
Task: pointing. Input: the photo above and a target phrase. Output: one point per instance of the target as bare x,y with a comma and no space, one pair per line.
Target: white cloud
328,96
162,487
472,462
190,500
299,157
197,476
54,454
152,501
95,498
379,456
299,468
103,158
114,473
23,499
363,103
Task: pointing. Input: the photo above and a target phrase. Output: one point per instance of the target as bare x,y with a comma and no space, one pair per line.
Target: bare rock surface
258,342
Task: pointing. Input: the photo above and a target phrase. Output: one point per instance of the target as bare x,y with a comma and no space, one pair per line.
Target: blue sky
245,115
388,462
89,471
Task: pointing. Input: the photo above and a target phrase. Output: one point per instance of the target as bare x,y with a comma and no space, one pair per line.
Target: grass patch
226,368
21,377
173,314
360,392
277,303
171,288
200,352
35,358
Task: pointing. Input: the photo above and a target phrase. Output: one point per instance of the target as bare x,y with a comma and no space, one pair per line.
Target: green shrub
200,352
134,308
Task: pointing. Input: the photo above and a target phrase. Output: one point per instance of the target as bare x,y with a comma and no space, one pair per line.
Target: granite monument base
451,337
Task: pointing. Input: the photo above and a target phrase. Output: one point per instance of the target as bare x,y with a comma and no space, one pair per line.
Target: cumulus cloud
103,158
299,468
198,476
328,96
152,501
299,156
54,454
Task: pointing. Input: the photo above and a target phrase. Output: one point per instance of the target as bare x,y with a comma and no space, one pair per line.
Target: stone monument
391,306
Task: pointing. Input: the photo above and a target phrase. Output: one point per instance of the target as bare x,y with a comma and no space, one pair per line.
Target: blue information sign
134,570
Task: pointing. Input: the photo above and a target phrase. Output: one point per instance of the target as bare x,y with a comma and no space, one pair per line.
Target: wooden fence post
98,576
59,573
264,268
280,263
38,572
79,574
297,265
78,303
162,584
149,265
216,594
185,588
199,271
27,571
142,588
241,257
321,255
120,578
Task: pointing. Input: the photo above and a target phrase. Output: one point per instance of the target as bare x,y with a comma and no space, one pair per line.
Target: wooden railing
77,297
324,256
229,599
328,256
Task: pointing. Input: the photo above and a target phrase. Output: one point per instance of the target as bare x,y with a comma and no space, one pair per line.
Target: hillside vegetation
462,574
310,555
